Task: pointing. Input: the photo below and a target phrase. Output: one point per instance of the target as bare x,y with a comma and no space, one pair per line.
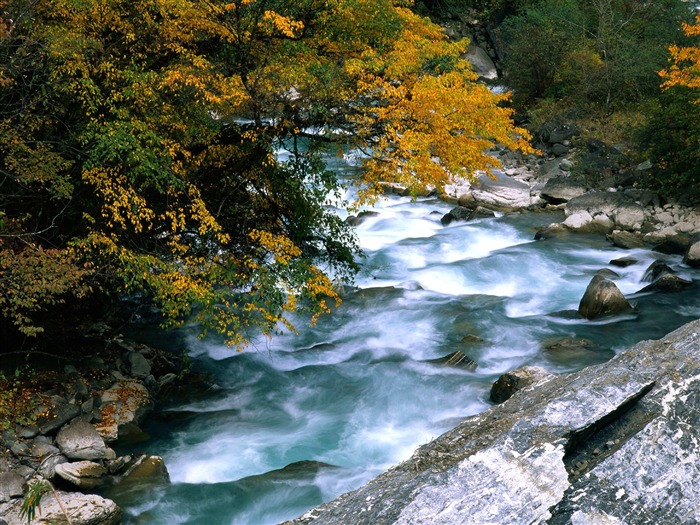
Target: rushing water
348,398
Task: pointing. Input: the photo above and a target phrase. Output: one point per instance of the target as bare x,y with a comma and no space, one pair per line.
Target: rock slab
614,443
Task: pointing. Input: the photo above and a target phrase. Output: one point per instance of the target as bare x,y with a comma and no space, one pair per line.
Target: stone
602,297
356,220
667,282
558,190
615,443
502,192
462,213
692,256
80,440
456,359
563,132
83,509
559,150
143,475
47,467
628,216
511,382
11,485
656,270
578,220
123,403
481,63
139,366
624,262
626,240
58,416
86,475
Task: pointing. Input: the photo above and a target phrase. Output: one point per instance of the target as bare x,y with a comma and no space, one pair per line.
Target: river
357,393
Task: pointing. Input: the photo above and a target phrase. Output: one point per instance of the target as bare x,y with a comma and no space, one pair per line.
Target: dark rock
511,382
356,220
58,416
607,274
553,230
563,132
462,213
139,366
144,475
600,202
667,282
613,443
656,270
674,245
80,440
558,190
624,262
559,150
625,239
602,297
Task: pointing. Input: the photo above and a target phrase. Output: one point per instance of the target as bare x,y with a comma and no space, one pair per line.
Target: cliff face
614,443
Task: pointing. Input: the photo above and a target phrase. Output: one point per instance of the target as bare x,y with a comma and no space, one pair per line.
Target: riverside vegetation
138,139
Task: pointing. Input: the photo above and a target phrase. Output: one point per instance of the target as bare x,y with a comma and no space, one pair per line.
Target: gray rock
595,202
692,256
83,509
139,366
11,485
624,262
629,216
47,467
511,382
126,402
143,475
559,150
614,443
563,132
656,270
86,475
624,239
562,189
481,63
502,192
462,213
80,440
667,282
602,297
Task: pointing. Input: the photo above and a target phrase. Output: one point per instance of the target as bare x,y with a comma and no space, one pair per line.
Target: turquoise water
348,398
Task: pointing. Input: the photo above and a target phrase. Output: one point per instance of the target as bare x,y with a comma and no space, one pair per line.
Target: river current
300,419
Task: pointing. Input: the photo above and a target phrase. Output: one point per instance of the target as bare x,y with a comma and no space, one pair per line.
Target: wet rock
608,274
656,270
613,443
511,382
667,282
86,475
602,297
143,475
83,509
625,239
462,213
677,244
455,359
80,440
356,220
11,485
624,262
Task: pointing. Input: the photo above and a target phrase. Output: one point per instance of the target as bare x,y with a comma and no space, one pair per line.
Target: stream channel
343,401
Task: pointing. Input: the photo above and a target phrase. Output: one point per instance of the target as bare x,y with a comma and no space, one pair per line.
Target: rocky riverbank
77,415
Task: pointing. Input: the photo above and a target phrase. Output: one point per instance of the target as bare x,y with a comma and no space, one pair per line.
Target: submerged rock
455,359
614,443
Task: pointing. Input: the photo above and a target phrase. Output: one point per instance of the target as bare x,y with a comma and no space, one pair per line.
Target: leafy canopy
138,145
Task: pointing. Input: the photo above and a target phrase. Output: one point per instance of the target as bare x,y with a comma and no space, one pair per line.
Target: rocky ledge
614,443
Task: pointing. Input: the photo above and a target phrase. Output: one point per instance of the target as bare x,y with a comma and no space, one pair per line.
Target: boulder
667,282
80,440
123,404
563,132
614,443
559,150
462,213
57,416
456,359
558,190
511,382
356,220
481,63
502,192
595,202
11,485
692,256
143,475
629,217
602,297
83,509
86,475
625,239
624,262
139,366
656,270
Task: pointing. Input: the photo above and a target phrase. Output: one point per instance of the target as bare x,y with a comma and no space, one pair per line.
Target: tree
138,145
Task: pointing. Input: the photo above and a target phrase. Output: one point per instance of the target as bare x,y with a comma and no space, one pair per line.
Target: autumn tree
138,144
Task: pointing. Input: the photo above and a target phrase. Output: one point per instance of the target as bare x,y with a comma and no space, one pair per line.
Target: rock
462,213
656,270
692,256
511,382
629,217
608,273
600,202
559,150
578,220
124,403
667,282
456,359
86,475
563,132
503,192
356,220
139,366
624,262
481,63
602,297
145,474
11,485
552,230
624,239
47,467
58,416
614,443
80,440
83,509
558,190
677,244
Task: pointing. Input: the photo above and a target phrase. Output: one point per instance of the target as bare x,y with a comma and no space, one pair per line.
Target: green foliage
32,500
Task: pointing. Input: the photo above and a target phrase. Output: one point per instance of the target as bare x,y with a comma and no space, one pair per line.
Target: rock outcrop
614,443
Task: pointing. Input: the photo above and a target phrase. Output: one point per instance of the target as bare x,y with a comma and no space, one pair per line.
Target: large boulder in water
602,297
614,443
